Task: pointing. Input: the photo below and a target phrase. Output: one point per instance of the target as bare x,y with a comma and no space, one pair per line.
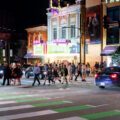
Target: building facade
111,35
63,33
101,42
37,44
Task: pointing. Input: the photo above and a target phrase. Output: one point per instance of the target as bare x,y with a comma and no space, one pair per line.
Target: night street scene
60,60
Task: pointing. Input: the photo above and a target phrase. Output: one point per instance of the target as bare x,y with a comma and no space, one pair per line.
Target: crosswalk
24,106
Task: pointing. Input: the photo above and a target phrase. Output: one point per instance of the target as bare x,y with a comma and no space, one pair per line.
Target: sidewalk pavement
89,81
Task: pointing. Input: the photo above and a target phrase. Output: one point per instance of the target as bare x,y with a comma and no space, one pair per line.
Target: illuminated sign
38,49
61,49
62,41
55,49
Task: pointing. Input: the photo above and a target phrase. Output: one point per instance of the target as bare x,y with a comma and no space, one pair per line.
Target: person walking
36,72
78,71
7,73
65,73
19,74
11,73
96,66
87,69
50,76
69,72
73,70
83,71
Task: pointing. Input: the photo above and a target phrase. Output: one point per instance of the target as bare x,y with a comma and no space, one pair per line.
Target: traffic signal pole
101,28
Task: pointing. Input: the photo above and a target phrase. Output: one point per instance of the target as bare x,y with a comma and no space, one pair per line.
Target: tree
116,56
1,56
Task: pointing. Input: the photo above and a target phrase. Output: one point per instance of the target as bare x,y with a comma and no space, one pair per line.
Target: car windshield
112,69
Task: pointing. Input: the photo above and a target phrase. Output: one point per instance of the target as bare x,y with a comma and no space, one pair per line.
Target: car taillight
114,76
96,75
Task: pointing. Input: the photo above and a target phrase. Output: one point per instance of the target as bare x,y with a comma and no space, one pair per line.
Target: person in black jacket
65,73
7,73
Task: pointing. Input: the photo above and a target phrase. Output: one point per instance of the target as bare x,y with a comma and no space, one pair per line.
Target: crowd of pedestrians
12,74
64,73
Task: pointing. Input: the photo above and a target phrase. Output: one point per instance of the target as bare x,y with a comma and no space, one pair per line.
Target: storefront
107,52
37,42
62,52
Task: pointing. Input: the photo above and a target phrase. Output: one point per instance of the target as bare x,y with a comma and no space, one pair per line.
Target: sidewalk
89,81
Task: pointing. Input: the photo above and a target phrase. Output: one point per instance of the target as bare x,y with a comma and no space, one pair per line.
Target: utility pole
83,24
101,28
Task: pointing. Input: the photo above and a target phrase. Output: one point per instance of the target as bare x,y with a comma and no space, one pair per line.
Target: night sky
27,13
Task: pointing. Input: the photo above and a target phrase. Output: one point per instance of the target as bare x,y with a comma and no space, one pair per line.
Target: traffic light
106,22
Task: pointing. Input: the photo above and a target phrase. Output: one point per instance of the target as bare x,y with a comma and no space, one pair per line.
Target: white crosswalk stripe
27,115
6,102
72,118
16,107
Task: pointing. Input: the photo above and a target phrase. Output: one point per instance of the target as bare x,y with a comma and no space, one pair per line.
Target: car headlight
1,71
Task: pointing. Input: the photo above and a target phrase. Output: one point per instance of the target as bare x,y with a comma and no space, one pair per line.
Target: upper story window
63,33
113,13
54,33
111,1
72,31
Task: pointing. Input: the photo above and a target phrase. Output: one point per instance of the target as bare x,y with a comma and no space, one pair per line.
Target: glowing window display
62,49
38,49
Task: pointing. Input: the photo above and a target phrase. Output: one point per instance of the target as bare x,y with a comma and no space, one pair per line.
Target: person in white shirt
36,74
69,72
83,71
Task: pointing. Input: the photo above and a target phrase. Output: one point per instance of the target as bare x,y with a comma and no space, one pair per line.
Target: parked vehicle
29,72
24,67
108,77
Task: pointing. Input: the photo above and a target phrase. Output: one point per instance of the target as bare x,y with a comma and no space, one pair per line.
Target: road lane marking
27,115
31,100
72,118
6,94
49,104
6,102
16,107
13,97
18,96
98,105
101,115
74,108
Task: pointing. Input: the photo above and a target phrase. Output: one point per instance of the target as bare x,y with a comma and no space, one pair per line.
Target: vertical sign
3,52
11,52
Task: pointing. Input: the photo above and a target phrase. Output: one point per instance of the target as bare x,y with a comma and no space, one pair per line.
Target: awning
30,55
108,50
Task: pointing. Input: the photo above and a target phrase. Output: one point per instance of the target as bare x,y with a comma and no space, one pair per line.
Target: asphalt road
76,101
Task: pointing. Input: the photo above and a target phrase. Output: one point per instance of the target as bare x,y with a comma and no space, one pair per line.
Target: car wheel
101,87
26,75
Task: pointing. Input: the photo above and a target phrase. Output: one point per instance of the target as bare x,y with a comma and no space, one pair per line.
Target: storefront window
111,1
72,31
113,36
54,33
63,33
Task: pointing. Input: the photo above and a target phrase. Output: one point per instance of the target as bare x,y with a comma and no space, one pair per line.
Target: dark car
108,77
24,67
29,72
